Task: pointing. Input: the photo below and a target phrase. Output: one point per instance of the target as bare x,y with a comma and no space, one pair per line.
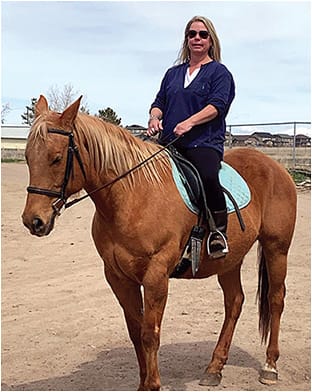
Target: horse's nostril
37,225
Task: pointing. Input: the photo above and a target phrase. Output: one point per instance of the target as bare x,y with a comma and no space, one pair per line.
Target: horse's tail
262,296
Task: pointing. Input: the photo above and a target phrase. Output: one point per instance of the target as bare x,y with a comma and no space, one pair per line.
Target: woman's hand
154,126
183,127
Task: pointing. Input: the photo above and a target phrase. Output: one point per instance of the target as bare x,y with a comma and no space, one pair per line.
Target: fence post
230,136
294,147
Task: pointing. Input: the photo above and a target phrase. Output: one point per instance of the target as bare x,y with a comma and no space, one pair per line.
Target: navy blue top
213,85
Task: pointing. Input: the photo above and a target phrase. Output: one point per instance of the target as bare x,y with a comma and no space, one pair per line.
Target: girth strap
237,210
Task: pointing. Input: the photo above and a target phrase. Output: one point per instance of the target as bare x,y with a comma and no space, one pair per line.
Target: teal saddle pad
229,178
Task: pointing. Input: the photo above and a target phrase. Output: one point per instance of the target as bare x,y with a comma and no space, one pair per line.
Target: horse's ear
41,106
69,114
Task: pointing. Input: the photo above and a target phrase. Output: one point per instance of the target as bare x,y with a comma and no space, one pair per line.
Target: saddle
191,188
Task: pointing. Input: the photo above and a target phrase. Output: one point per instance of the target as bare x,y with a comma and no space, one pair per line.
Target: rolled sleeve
221,93
160,100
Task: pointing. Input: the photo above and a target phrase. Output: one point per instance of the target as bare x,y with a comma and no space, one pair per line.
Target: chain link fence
287,142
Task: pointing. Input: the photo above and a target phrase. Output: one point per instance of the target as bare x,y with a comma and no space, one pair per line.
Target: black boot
217,241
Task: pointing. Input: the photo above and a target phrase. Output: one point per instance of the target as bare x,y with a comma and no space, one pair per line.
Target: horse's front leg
155,284
129,296
233,300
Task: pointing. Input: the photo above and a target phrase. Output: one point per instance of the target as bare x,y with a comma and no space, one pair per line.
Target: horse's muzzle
37,226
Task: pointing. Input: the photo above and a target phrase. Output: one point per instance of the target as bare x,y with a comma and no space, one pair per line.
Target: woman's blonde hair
215,49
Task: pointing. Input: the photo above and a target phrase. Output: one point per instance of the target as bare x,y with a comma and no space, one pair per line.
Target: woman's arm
208,113
154,123
219,100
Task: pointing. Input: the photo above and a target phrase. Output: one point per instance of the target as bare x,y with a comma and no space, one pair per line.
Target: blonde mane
111,148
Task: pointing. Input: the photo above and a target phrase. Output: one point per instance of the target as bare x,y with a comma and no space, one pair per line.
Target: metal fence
293,156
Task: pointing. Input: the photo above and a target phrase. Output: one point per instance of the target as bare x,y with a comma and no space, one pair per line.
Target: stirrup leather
219,253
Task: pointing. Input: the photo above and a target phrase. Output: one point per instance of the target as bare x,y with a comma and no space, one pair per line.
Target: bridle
72,151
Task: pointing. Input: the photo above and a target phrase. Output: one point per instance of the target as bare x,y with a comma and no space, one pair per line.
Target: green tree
84,109
109,115
29,116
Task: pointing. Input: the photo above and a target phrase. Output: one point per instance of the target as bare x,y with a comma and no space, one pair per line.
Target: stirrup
221,252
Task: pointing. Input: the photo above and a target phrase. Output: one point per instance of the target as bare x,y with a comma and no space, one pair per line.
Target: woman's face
200,43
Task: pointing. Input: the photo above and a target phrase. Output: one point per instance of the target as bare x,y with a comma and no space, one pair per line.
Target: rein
71,203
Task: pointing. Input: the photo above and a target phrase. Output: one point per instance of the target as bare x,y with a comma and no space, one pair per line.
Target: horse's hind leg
271,294
130,298
233,301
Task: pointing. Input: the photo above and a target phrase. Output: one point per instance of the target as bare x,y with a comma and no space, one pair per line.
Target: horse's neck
114,154
106,187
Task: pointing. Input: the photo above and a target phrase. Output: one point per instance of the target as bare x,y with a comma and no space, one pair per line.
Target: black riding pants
208,161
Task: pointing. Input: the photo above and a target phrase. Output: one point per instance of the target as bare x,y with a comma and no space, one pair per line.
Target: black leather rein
71,152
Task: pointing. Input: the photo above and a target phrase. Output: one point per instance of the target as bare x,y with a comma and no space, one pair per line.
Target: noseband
71,152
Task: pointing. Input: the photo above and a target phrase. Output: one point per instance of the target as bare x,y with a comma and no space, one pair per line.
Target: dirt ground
62,328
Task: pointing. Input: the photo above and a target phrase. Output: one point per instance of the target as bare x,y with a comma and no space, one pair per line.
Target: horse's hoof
268,375
210,379
151,387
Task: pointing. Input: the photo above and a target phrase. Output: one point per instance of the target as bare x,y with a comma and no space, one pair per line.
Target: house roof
15,131
262,134
301,136
240,137
282,136
135,128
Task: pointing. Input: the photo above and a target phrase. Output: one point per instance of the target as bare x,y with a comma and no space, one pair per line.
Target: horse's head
55,165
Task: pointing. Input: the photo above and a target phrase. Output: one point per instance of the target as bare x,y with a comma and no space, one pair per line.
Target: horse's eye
57,159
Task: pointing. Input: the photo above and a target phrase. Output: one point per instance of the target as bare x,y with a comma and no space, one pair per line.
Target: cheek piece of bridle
61,195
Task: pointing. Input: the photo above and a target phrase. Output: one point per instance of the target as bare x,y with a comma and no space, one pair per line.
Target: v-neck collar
188,78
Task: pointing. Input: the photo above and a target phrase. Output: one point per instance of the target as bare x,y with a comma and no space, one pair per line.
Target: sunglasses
202,33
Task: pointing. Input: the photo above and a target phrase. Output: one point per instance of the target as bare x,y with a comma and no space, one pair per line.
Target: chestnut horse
141,226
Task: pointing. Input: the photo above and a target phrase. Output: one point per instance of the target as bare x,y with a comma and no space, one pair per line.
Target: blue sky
115,54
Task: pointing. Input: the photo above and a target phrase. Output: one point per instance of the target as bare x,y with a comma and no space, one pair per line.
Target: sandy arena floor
62,328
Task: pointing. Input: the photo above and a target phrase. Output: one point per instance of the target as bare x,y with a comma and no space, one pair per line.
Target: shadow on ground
117,369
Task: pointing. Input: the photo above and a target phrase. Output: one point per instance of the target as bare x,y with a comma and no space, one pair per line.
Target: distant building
303,141
136,130
14,138
265,139
13,141
240,140
282,140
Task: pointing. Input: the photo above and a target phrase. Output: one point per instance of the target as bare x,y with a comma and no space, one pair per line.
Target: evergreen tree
84,109
29,116
109,115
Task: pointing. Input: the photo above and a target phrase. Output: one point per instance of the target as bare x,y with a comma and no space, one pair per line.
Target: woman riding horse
141,226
